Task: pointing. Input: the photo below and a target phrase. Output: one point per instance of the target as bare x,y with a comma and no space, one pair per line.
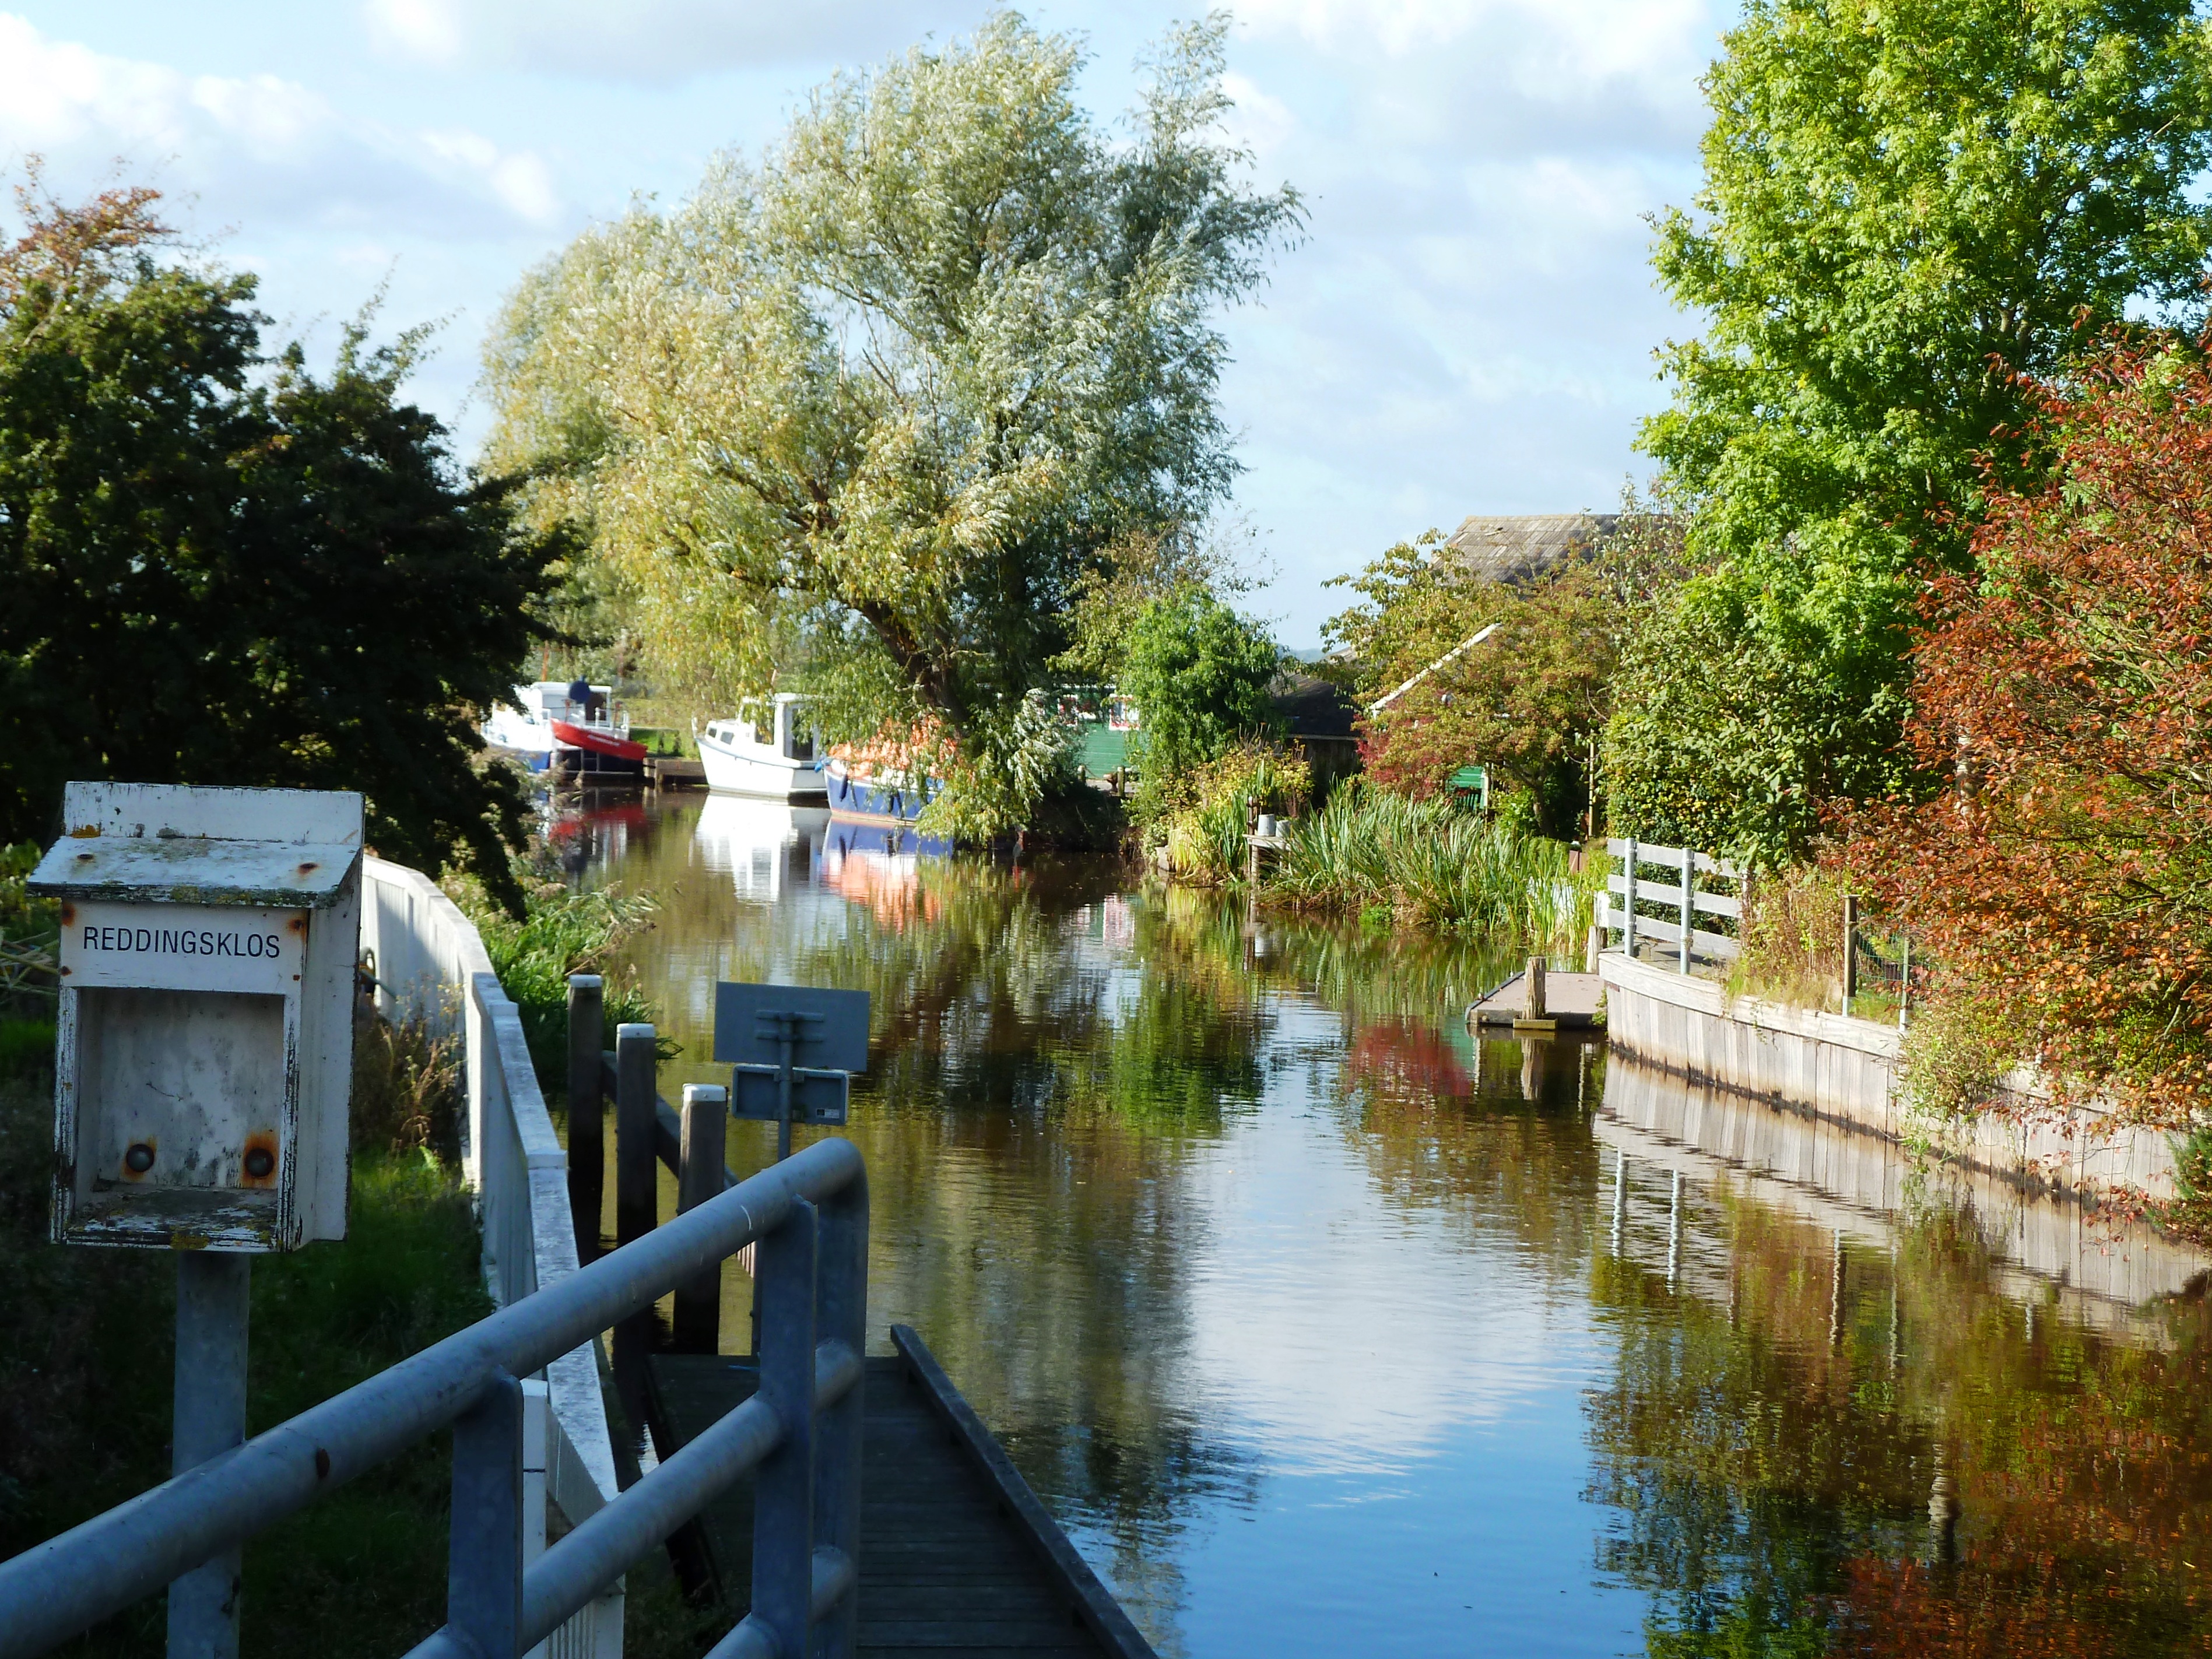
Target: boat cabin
788,736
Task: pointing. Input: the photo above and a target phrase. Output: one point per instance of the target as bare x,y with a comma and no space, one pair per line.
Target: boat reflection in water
768,849
764,847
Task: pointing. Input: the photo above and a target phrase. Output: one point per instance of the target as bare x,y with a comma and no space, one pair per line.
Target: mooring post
783,1484
637,1166
587,1146
700,1178
213,1294
484,1549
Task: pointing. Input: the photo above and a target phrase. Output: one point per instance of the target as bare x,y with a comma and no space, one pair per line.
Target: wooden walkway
958,1560
1571,1001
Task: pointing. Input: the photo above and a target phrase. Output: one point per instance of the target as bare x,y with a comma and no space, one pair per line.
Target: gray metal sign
829,1030
816,1097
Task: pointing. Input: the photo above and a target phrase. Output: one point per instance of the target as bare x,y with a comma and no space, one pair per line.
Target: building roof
1514,548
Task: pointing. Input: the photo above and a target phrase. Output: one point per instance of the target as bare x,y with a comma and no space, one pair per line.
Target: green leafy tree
1906,207
1198,674
867,413
218,569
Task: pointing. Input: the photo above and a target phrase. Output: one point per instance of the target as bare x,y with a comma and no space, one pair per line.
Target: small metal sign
816,1097
829,1030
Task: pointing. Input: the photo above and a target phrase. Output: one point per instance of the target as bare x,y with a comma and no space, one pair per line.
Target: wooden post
1536,1000
587,1143
636,1168
1689,904
698,1322
1850,949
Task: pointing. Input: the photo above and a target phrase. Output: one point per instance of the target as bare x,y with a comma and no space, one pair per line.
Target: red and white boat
550,729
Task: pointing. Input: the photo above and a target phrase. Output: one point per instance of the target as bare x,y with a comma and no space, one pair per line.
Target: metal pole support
840,1315
1850,950
636,1165
699,1179
587,1144
484,1558
1628,920
783,1484
214,1298
1689,902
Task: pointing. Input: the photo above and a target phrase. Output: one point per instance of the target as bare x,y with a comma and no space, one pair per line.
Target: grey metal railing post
214,1292
587,1143
1689,902
1850,950
783,1485
841,1307
699,1301
483,1569
1628,922
637,1167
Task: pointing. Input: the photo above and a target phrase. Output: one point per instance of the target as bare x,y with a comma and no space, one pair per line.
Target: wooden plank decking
958,1560
1571,1001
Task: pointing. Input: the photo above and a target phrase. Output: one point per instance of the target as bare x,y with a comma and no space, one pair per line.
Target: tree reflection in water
1065,1071
1877,1453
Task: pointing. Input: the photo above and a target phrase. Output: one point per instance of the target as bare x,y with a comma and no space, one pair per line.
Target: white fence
1681,894
428,961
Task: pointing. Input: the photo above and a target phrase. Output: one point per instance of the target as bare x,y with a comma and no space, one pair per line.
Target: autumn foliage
2060,867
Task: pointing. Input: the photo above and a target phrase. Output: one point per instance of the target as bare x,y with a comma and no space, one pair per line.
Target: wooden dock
674,771
1570,1002
958,1560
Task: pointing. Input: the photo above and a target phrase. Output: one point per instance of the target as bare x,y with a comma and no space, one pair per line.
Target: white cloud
649,41
259,148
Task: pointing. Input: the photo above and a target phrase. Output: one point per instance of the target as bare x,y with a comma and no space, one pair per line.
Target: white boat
781,766
545,725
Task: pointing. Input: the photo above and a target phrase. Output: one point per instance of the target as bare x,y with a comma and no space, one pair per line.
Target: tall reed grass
562,932
1432,864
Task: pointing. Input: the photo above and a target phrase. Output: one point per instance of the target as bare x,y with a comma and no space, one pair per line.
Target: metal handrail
56,1589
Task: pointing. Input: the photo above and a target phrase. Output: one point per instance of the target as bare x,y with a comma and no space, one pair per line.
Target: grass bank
1393,860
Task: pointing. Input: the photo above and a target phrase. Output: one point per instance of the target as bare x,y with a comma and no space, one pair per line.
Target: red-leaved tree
2062,868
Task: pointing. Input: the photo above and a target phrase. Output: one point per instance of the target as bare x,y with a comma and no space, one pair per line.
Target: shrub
1203,827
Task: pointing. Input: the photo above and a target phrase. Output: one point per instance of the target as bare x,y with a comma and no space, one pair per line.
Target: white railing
430,962
1627,889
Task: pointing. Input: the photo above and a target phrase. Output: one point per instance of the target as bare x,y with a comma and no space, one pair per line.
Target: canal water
1325,1327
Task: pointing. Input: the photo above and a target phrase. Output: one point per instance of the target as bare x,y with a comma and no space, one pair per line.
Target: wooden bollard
1536,1008
587,1146
700,1178
636,1165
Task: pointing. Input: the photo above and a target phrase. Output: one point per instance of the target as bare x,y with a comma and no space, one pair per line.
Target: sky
1467,327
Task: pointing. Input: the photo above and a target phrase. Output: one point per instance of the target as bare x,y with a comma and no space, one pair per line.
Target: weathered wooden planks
958,1560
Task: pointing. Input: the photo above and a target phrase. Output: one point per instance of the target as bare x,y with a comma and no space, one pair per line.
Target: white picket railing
429,962
1627,889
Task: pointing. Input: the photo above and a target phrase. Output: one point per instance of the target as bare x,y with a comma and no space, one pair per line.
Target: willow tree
866,413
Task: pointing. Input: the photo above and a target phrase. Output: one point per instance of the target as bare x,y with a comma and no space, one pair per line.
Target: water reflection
1326,1326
